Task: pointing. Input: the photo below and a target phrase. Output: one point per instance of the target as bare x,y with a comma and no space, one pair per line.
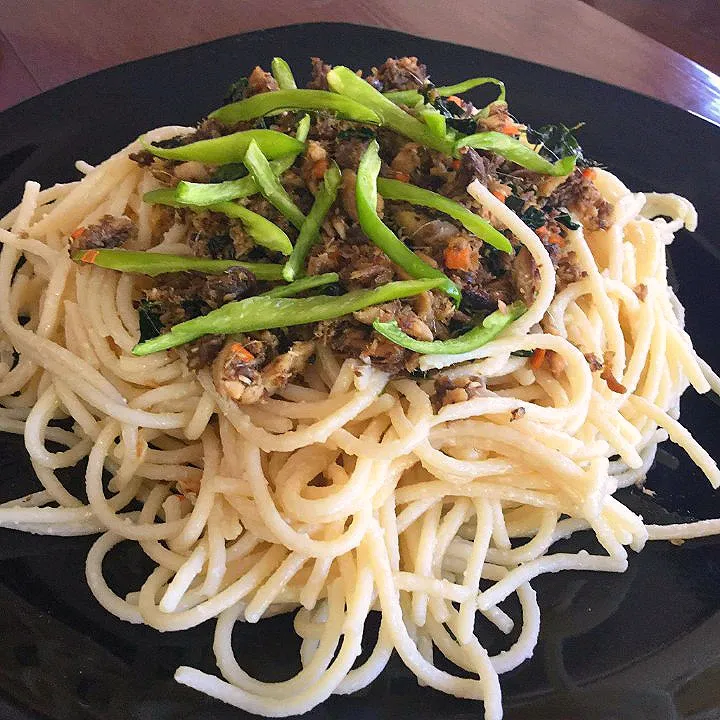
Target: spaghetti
345,492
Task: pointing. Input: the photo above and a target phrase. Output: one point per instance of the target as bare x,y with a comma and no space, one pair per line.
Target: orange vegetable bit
455,99
456,164
402,177
457,258
77,232
499,195
542,231
538,358
555,239
510,129
240,350
89,256
588,173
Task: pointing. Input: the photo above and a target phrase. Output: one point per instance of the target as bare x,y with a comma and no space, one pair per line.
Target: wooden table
44,43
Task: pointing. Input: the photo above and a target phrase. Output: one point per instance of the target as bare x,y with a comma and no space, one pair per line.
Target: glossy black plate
643,645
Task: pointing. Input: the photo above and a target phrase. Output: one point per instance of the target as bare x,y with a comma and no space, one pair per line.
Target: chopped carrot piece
455,99
456,164
588,173
555,239
239,349
457,258
510,129
499,195
542,231
402,177
89,256
538,358
77,232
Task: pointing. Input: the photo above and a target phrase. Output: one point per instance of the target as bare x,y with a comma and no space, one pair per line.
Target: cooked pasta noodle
433,517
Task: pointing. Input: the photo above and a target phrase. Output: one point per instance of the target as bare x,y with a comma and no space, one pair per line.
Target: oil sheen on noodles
418,508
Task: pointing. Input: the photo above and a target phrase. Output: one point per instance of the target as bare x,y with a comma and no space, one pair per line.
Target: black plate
645,644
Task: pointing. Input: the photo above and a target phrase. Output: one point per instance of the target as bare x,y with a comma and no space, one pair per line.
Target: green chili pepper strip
266,103
260,229
230,148
306,283
517,152
411,98
263,313
270,186
162,196
491,327
396,190
191,193
345,82
147,263
283,74
465,85
434,120
381,234
310,231
202,194
303,128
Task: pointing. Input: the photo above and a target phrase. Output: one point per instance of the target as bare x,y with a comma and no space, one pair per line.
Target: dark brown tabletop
44,43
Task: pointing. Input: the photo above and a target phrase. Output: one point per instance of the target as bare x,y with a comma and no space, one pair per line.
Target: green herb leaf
236,91
567,221
149,317
558,141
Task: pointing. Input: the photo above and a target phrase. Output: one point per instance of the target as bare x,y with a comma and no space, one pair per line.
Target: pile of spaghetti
348,487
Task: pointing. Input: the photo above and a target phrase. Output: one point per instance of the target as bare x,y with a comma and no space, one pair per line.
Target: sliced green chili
306,283
435,121
260,229
263,313
310,231
465,85
303,128
191,193
162,196
411,98
491,327
283,74
269,102
202,194
345,82
148,263
517,152
396,190
381,234
270,186
230,148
